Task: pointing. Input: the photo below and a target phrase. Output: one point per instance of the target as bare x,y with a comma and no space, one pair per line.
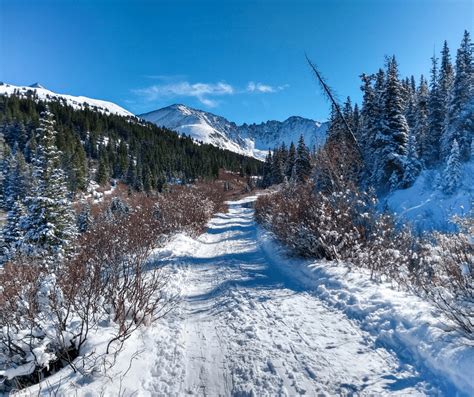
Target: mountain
248,139
77,102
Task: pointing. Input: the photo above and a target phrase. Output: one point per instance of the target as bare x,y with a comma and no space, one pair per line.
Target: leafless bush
345,225
47,315
446,274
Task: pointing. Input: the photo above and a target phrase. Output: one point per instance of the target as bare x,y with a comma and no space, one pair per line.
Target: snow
77,102
427,207
250,140
253,322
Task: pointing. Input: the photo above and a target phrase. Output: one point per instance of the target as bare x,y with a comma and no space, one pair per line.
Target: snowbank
397,320
427,207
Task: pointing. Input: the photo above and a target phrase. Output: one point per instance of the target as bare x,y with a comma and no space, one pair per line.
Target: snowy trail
242,329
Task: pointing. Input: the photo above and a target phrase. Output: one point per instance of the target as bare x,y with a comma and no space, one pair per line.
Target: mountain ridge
77,102
249,139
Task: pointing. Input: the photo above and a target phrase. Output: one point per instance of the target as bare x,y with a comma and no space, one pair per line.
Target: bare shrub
345,225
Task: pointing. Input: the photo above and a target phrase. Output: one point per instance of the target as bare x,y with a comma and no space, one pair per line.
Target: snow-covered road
243,329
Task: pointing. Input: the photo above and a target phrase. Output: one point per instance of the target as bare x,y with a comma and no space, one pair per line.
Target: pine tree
13,232
435,119
446,78
410,108
15,180
459,124
420,129
278,166
412,163
303,161
102,176
49,225
453,172
267,171
391,141
291,161
336,129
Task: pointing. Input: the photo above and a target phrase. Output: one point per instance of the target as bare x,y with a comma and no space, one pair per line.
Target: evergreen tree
453,172
267,171
412,163
102,176
278,166
336,128
356,122
303,161
291,161
435,119
460,116
13,232
446,77
410,108
391,141
49,224
420,129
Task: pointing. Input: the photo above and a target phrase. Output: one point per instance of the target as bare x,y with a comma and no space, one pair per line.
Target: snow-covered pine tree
291,161
391,141
452,173
303,161
446,78
49,225
16,178
12,231
412,163
460,116
410,108
336,128
267,171
420,129
435,119
278,166
356,122
367,121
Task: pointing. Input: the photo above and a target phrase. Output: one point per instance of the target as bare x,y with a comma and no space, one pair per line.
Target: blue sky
240,59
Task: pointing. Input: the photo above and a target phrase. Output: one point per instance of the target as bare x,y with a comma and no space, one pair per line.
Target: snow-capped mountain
77,102
248,139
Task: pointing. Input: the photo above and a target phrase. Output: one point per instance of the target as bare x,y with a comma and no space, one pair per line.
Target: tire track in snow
244,330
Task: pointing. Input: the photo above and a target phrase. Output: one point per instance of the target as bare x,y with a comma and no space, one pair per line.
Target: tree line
97,146
403,126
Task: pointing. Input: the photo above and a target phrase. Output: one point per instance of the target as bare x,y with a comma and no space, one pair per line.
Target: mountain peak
36,85
250,140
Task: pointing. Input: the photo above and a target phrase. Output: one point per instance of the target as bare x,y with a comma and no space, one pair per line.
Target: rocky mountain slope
248,139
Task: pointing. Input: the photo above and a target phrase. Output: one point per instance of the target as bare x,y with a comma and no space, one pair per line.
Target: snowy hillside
77,102
251,140
427,207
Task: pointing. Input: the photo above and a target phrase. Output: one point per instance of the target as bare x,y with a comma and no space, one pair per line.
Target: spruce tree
291,161
391,142
278,166
412,163
303,161
435,119
420,129
13,232
460,116
49,225
267,171
453,171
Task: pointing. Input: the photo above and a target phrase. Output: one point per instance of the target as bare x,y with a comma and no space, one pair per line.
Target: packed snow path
242,329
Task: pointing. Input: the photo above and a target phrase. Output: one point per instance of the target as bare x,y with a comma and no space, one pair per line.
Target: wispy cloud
206,93
264,88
